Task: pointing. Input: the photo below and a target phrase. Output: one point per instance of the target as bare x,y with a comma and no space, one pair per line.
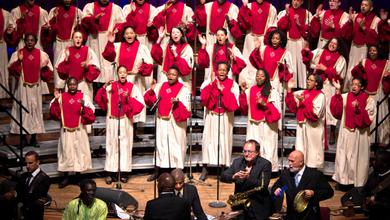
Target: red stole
300,13
359,35
167,93
335,15
217,15
128,53
141,18
309,96
259,12
374,72
329,59
221,53
174,15
104,20
76,57
65,20
169,59
257,114
31,20
272,57
350,111
31,64
114,97
228,85
1,24
71,117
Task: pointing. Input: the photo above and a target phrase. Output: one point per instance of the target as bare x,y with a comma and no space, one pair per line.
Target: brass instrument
300,202
242,198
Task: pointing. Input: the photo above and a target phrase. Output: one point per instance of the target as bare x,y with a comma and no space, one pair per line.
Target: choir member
356,109
100,17
262,105
309,107
74,110
122,101
79,62
200,17
30,66
255,17
375,70
173,110
294,20
4,29
135,56
330,64
327,24
220,51
177,52
220,99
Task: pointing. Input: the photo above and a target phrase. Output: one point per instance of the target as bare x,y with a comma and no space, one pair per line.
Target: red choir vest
374,73
329,59
104,20
350,111
141,18
260,17
71,109
117,94
309,96
326,31
358,36
217,17
174,15
169,59
31,20
300,13
257,114
227,84
65,20
31,65
76,57
272,57
128,53
167,93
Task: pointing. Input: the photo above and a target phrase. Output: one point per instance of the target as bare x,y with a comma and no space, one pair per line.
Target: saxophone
242,198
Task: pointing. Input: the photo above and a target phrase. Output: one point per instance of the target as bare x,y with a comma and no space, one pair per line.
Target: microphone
155,104
113,63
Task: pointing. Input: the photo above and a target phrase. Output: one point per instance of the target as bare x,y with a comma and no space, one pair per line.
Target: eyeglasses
248,151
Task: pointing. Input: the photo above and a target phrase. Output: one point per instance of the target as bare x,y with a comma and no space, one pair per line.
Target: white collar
301,171
385,173
33,174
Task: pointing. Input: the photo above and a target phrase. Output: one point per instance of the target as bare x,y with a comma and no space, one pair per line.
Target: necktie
178,194
297,179
29,177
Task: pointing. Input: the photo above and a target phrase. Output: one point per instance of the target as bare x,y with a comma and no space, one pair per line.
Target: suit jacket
261,204
310,179
379,210
190,193
167,207
30,195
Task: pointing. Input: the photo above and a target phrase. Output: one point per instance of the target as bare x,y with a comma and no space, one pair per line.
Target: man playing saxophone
249,172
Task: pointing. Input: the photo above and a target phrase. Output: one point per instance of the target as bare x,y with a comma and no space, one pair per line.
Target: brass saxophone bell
300,202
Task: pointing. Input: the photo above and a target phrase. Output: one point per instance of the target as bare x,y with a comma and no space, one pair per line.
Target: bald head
166,183
295,161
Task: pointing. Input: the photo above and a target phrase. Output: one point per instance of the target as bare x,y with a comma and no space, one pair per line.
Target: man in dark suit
248,172
189,193
33,187
302,178
167,206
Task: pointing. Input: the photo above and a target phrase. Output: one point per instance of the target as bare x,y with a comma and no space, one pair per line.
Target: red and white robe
171,138
74,154
310,134
353,144
4,21
30,71
229,103
262,121
132,104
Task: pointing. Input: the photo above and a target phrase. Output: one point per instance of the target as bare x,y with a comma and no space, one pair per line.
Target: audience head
173,74
251,150
179,177
295,161
32,161
88,191
166,183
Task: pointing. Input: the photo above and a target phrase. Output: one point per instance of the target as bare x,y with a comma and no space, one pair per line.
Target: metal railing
377,122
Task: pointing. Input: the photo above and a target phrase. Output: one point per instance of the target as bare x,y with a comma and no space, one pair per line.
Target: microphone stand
118,183
218,204
283,111
155,107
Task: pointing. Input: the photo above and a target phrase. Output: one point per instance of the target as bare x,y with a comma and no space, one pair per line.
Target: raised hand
111,36
351,13
202,40
153,84
257,42
160,34
173,49
319,10
337,85
243,87
287,7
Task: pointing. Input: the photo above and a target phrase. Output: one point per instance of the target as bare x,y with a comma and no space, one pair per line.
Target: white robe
264,133
31,98
211,133
353,150
171,137
125,138
74,154
310,135
4,58
98,42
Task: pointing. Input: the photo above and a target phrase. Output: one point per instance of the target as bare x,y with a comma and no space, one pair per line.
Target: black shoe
63,183
124,179
108,180
203,175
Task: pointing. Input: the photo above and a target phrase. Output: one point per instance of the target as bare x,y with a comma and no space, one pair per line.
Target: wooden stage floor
142,191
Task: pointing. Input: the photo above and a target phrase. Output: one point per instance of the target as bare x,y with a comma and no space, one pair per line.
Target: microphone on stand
155,104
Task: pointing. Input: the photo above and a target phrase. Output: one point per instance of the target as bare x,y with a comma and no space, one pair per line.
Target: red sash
374,71
221,53
76,57
65,20
1,24
309,96
31,20
227,84
257,114
217,17
128,53
169,59
300,13
31,64
272,57
358,35
167,93
329,59
350,111
104,20
174,15
71,117
114,98
141,18
260,14
335,15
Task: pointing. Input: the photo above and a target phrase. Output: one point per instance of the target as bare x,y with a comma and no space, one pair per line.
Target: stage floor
142,191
